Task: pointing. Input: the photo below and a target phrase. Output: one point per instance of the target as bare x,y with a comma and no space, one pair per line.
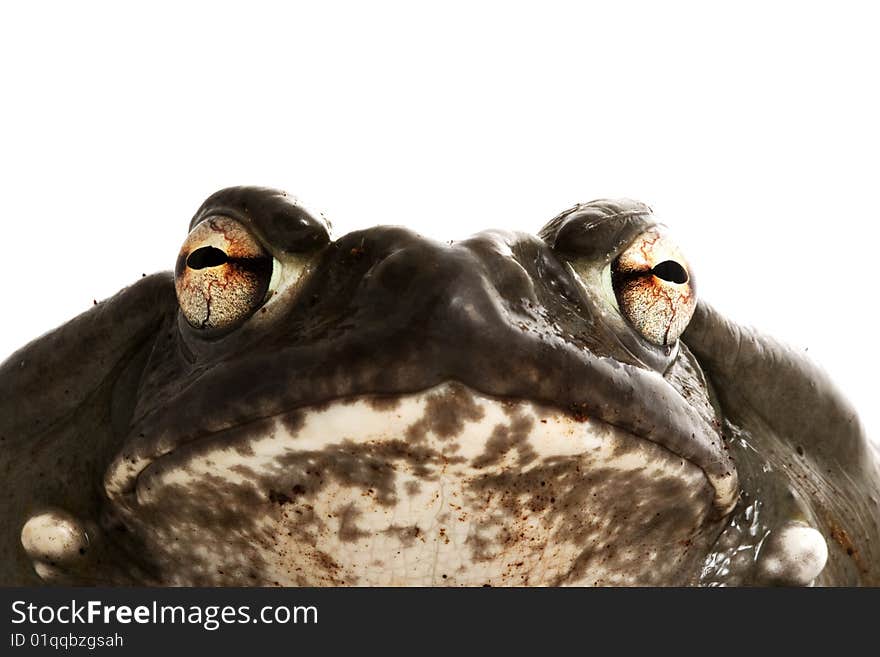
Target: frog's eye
223,275
654,287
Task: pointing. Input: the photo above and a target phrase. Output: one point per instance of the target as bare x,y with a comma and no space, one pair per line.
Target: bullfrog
510,409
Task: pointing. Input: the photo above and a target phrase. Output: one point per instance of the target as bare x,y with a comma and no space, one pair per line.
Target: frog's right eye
654,287
223,275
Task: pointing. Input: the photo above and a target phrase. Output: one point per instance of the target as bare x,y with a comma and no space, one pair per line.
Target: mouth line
122,476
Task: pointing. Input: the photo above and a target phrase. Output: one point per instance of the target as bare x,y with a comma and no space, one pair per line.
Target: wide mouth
443,412
488,490
445,409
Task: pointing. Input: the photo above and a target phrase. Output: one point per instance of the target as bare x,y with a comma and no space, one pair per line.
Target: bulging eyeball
654,287
223,275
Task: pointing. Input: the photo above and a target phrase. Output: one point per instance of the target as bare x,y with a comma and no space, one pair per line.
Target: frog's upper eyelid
276,218
595,231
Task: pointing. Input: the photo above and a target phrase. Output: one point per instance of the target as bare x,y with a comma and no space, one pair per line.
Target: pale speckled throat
443,487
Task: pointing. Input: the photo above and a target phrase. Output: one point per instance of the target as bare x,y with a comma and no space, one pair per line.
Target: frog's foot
68,550
792,555
58,545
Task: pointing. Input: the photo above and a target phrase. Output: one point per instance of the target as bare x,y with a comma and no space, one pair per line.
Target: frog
287,408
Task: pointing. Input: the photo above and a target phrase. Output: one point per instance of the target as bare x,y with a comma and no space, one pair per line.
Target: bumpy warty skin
401,411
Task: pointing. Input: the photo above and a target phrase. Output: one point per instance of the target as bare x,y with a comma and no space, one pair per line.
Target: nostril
397,272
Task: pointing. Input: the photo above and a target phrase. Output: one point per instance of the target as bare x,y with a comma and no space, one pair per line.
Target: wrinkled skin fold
401,411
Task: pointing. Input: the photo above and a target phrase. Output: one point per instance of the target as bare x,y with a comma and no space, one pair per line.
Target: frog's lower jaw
445,486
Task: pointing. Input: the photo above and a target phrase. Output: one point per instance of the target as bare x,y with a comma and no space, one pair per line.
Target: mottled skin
411,412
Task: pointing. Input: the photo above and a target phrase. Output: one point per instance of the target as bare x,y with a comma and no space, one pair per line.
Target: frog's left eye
654,287
223,275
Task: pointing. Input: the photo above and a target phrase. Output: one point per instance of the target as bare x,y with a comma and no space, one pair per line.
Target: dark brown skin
384,312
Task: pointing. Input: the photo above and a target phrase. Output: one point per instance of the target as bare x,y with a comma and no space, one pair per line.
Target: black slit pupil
671,271
205,257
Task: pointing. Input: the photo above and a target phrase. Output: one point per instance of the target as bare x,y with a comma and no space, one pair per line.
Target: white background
753,132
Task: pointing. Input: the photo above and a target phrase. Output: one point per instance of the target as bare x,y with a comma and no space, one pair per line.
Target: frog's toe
793,555
56,542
